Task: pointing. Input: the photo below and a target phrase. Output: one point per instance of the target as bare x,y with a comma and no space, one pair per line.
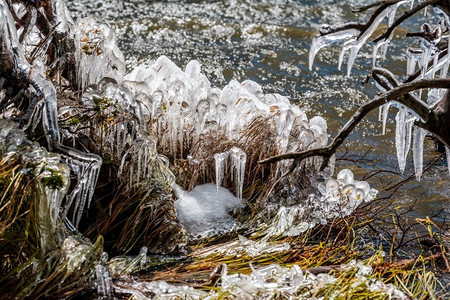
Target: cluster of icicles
339,198
180,106
352,40
168,92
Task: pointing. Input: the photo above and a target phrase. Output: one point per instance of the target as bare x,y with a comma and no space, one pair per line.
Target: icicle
384,111
87,167
327,40
103,279
413,58
238,160
435,66
418,140
447,152
445,65
425,58
220,160
375,52
403,136
362,39
345,48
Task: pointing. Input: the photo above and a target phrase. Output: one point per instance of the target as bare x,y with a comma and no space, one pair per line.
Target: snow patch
204,211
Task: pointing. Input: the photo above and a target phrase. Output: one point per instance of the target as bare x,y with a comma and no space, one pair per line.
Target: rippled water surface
268,41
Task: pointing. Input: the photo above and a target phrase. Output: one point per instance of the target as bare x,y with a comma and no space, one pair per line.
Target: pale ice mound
204,211
339,198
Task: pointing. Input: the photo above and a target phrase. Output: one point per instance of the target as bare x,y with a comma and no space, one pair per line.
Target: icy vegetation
161,107
161,131
419,61
97,53
44,108
167,92
243,246
204,211
267,282
53,177
339,198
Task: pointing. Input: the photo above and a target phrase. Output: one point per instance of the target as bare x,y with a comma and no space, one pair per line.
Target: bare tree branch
397,93
382,5
405,16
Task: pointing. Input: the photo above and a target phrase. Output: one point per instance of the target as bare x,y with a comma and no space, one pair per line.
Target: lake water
268,41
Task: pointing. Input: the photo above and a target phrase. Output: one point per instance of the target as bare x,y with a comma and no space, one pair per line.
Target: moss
74,121
54,182
101,103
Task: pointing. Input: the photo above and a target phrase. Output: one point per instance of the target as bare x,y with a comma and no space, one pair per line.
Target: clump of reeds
331,249
39,258
258,142
143,216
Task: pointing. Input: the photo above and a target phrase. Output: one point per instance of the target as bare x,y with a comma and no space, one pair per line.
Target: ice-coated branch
441,55
404,17
384,77
388,80
395,94
362,27
14,67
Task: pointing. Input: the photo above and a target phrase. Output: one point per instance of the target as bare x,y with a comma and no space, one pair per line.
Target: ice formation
47,167
204,211
103,280
244,246
152,97
125,137
339,198
428,53
97,53
44,108
209,113
237,158
352,40
418,60
168,92
268,282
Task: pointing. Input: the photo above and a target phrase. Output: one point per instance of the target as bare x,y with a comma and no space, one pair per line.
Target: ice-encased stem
447,152
403,136
418,140
238,160
220,161
327,40
353,39
103,282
